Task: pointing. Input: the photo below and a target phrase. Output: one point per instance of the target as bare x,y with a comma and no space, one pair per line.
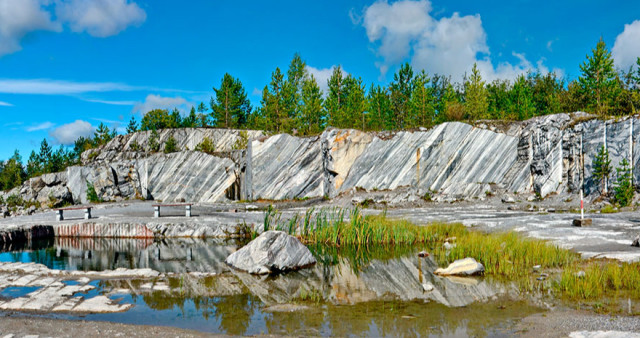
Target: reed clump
597,279
507,254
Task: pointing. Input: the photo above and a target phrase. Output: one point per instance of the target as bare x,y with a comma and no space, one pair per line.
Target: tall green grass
343,227
507,254
600,279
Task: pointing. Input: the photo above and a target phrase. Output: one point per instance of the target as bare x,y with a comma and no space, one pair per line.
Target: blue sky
67,65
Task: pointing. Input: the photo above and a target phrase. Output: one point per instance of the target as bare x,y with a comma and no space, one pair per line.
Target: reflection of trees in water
234,313
359,257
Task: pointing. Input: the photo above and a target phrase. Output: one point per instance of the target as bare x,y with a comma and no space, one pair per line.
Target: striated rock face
287,167
134,146
543,155
271,252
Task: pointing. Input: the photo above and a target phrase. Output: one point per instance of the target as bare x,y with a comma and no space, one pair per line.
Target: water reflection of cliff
175,255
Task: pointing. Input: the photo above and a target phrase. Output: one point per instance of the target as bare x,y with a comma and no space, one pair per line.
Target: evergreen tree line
293,102
47,160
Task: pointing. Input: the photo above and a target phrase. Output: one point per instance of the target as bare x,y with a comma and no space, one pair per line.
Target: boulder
462,267
508,199
271,252
54,178
54,196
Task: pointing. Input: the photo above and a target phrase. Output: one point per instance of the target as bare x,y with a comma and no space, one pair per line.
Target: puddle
17,291
349,292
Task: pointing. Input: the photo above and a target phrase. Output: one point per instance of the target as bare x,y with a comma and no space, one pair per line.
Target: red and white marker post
581,205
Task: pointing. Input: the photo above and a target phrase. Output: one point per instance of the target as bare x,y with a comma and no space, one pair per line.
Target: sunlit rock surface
449,161
272,252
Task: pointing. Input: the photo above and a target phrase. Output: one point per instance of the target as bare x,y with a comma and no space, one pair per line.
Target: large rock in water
462,267
271,252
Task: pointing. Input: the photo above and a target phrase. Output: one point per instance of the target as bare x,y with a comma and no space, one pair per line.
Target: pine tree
103,134
624,188
522,98
231,106
44,156
275,118
400,90
475,95
292,92
599,83
547,93
334,101
421,106
313,119
33,165
191,121
602,168
12,173
355,103
379,107
132,127
499,100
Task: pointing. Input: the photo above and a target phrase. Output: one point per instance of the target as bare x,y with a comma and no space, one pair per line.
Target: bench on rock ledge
187,206
60,215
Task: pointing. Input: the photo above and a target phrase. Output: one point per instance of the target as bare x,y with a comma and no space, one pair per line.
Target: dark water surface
349,292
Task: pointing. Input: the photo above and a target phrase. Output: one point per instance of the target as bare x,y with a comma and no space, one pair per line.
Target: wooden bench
187,206
60,215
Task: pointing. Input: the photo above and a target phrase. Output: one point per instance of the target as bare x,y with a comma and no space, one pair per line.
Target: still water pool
349,292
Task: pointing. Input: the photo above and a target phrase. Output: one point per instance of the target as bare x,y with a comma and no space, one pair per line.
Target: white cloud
40,126
21,17
67,134
5,104
447,46
256,92
626,49
160,102
100,18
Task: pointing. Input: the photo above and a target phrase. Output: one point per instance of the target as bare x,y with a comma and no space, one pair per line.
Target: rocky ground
28,326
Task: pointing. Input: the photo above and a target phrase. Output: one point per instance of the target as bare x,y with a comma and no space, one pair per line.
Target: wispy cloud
106,120
5,104
59,87
115,103
40,126
65,87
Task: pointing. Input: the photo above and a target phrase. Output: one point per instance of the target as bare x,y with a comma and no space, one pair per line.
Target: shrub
154,145
92,196
15,201
455,112
242,141
206,146
170,146
135,146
